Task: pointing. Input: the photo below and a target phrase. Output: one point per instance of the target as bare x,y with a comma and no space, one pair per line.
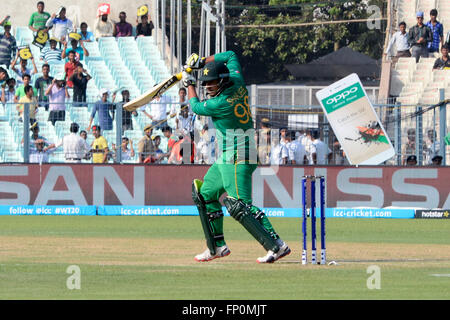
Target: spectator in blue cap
418,37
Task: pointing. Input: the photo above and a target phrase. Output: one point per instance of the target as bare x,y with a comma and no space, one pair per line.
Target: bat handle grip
180,74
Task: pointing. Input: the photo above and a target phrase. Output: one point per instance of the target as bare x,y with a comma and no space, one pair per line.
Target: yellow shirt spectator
99,150
33,105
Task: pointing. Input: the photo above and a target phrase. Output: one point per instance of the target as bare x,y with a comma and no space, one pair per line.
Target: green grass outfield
152,258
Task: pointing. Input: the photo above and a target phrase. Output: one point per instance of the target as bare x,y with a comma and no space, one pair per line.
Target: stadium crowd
421,40
66,43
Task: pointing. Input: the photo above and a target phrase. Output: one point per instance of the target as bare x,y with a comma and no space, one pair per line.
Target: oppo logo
341,96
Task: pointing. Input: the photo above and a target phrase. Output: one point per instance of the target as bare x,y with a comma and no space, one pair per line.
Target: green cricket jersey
230,112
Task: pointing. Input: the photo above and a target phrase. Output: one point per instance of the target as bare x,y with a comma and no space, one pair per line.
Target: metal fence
414,130
293,95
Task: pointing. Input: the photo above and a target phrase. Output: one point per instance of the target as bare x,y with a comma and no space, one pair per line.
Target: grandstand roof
337,65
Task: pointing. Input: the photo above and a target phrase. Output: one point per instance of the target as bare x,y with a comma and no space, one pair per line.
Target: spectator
339,154
307,142
400,39
75,147
3,76
99,146
283,133
409,148
105,111
35,136
145,145
297,151
40,153
23,69
442,63
411,160
8,45
83,135
418,38
279,154
320,151
447,39
103,27
20,91
184,122
264,146
80,51
69,68
158,156
183,101
86,36
431,146
80,82
127,154
437,160
60,24
51,54
38,19
203,155
127,122
196,124
158,113
300,135
29,99
8,92
265,123
437,32
167,132
287,142
57,93
144,29
42,84
123,28
181,151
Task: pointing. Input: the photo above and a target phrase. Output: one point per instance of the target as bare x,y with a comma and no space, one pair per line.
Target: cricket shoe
271,256
221,252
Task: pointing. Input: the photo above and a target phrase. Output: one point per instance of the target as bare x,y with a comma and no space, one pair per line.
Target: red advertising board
86,184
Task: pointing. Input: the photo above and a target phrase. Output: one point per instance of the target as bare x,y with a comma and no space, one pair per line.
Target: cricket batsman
227,105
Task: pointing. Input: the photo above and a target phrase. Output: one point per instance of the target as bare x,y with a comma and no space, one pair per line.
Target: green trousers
236,180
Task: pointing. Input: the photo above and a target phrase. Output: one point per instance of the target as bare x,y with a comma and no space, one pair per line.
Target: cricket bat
151,94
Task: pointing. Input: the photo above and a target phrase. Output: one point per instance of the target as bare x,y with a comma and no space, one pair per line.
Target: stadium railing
397,119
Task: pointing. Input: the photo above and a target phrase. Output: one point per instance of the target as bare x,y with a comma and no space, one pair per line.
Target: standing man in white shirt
184,122
320,152
297,151
279,153
283,133
306,141
75,148
61,26
400,39
158,111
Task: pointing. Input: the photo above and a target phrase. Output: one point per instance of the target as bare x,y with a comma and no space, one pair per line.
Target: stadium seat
430,97
24,36
93,49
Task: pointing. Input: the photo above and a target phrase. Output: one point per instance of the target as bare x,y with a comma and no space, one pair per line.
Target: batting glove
195,62
188,79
